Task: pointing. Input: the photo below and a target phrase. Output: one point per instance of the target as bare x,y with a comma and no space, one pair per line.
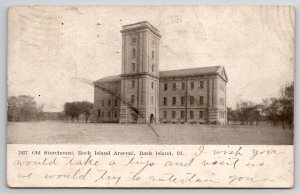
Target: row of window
109,102
132,99
102,115
165,101
134,41
133,54
133,84
133,67
182,100
192,85
182,114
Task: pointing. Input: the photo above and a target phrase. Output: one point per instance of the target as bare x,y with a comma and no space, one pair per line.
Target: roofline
165,77
147,25
193,68
140,23
192,75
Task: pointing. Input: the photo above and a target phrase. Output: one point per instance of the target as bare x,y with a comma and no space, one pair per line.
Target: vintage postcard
151,96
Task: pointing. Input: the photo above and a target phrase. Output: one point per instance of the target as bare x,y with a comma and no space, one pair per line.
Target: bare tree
74,109
86,108
22,108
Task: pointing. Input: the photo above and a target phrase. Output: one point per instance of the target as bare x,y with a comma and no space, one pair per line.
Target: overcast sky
50,45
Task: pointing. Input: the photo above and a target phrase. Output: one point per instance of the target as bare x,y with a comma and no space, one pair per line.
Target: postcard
151,96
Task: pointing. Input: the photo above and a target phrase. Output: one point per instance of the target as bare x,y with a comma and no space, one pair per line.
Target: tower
140,73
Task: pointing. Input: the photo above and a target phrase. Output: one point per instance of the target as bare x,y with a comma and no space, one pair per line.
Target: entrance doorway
134,117
151,118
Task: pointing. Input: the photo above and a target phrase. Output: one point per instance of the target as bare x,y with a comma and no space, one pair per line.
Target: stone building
143,94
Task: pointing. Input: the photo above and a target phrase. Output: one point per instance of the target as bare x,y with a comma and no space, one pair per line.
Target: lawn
51,132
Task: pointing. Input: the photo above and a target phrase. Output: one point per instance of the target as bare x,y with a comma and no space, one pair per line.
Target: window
221,114
191,100
201,84
173,101
108,113
109,102
132,66
165,101
115,114
201,114
152,85
192,85
133,84
152,68
166,87
152,54
116,102
201,100
182,85
102,114
222,87
133,53
191,114
133,41
132,99
173,114
153,42
152,100
174,86
182,114
182,100
102,102
165,114
222,102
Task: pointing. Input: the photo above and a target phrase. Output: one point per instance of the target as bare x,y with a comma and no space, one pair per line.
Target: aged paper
150,166
151,96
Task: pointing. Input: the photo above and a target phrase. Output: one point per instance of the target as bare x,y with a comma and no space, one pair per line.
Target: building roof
177,73
189,72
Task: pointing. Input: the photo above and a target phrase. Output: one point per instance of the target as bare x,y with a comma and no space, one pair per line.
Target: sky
49,46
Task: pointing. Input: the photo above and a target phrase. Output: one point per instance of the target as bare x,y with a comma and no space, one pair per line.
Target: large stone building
143,94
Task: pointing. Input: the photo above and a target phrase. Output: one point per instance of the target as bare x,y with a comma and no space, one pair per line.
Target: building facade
143,94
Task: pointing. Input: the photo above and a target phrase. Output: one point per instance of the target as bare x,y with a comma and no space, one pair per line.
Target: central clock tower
140,73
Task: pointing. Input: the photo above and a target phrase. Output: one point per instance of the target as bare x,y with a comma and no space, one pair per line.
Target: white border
3,92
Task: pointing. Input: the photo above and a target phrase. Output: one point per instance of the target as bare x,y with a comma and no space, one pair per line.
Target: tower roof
140,25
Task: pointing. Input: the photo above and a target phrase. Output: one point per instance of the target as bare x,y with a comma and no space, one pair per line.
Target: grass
50,132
